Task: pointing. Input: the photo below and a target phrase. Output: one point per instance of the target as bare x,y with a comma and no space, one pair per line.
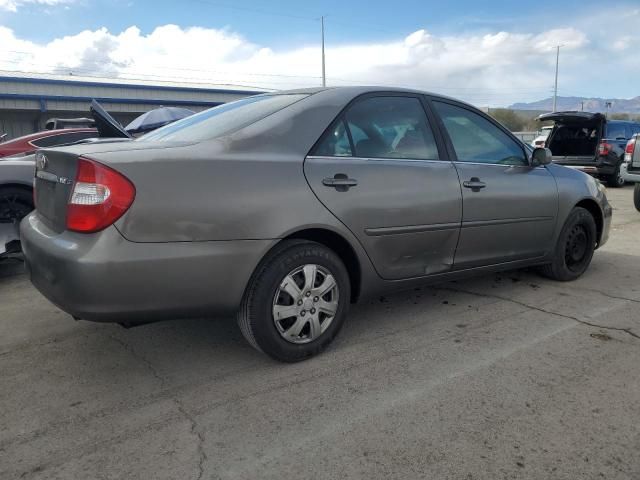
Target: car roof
357,90
628,122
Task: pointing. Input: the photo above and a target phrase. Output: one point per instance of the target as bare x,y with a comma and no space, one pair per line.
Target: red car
48,138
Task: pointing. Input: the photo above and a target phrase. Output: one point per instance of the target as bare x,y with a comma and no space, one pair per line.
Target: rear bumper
104,277
633,176
595,170
602,166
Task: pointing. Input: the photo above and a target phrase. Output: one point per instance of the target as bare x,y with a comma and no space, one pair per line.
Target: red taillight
629,149
604,148
100,196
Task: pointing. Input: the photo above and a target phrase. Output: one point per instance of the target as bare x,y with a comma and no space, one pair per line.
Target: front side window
476,139
391,127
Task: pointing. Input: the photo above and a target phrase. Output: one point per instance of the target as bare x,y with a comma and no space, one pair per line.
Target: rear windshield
223,119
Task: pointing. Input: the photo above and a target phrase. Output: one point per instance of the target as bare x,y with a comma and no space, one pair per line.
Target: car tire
278,314
15,204
575,247
615,180
636,196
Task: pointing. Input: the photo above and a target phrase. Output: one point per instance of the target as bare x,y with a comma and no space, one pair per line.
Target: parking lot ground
502,376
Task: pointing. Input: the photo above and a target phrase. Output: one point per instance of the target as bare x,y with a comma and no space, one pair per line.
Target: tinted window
334,143
223,119
63,139
616,130
391,127
476,139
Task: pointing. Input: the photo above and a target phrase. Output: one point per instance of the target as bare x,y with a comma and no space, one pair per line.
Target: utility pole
555,88
324,76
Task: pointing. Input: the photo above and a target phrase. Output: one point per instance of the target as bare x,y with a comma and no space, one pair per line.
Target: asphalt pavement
507,376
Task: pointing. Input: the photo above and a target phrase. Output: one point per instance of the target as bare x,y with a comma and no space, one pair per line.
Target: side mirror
541,156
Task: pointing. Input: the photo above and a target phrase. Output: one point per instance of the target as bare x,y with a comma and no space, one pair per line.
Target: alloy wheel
305,303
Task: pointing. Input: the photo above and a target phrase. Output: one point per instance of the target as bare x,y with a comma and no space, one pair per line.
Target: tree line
519,122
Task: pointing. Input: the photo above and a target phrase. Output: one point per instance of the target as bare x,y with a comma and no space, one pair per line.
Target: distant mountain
618,105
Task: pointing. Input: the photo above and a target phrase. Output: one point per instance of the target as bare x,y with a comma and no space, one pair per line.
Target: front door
379,171
509,207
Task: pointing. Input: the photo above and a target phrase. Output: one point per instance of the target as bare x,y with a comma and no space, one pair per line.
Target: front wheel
575,247
636,196
296,301
615,180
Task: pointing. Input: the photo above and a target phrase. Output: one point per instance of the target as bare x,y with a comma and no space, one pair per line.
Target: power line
255,10
166,67
135,71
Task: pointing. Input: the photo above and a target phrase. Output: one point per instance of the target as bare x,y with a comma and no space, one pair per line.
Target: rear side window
381,127
616,131
223,119
391,127
335,142
475,139
63,139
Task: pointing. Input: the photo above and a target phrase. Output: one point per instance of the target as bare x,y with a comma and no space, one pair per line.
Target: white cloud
487,69
13,5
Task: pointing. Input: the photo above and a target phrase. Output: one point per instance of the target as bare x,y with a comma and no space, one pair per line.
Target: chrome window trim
460,162
376,159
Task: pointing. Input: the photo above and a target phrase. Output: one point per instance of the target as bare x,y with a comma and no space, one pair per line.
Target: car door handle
340,182
474,184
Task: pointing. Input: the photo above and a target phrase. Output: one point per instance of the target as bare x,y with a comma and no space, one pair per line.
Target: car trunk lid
55,173
575,137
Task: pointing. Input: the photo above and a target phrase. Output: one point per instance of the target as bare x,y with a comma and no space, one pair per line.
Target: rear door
383,173
509,208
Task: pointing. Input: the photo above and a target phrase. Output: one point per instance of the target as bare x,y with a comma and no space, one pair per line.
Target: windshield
223,119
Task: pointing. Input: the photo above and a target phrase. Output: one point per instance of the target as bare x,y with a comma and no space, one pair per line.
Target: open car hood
108,127
571,117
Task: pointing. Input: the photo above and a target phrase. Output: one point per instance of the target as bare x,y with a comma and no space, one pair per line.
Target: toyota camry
284,208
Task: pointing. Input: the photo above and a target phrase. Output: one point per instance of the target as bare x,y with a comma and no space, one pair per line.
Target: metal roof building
27,102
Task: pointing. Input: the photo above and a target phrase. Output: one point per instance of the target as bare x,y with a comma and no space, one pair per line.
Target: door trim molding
435,227
504,221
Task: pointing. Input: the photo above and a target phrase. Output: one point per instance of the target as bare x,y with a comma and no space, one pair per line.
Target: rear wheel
615,180
296,301
15,204
636,196
575,247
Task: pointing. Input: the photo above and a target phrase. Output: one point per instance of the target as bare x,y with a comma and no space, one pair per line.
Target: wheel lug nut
303,313
315,299
313,310
308,294
299,302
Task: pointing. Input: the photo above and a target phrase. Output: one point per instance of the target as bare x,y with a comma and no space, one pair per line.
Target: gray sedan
285,208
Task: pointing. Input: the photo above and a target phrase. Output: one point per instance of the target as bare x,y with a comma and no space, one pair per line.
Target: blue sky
265,21
491,52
